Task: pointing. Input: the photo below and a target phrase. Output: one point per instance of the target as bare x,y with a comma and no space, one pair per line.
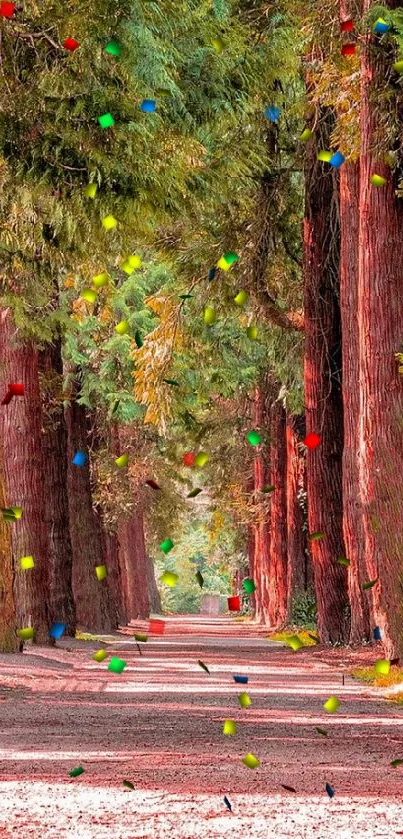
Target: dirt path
159,725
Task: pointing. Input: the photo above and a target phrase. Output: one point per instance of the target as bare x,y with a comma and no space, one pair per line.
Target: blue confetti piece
211,274
241,680
337,160
227,803
381,27
148,105
80,459
57,630
329,790
377,633
272,113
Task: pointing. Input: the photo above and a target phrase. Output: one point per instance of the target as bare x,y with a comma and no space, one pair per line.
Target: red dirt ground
159,725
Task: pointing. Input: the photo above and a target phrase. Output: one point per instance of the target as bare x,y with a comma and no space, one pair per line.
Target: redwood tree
278,518
8,637
298,570
323,397
24,471
380,316
261,528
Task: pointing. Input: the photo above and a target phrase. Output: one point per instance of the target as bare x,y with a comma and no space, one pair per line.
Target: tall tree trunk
322,373
110,552
297,556
261,530
54,439
353,528
278,519
24,471
132,556
380,317
154,598
251,566
9,642
91,596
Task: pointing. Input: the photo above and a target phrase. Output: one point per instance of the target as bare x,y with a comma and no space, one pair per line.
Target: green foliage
303,610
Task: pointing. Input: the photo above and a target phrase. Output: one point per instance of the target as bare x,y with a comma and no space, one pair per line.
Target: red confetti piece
189,459
346,26
6,9
348,49
156,627
312,440
13,390
70,44
234,604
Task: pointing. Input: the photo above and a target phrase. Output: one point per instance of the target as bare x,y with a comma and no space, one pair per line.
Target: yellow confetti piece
382,667
89,295
169,578
100,280
332,704
27,562
122,327
251,761
100,655
131,263
229,727
90,191
101,572
109,222
26,634
294,642
122,461
244,700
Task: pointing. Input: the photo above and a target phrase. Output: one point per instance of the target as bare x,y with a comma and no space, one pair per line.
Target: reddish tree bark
380,316
110,552
297,555
9,642
353,528
54,441
261,530
322,375
278,519
24,471
133,563
154,598
92,597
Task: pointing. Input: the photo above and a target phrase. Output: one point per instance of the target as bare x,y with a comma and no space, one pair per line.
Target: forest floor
159,725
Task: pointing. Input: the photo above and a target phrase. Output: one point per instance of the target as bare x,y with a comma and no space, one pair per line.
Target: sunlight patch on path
78,811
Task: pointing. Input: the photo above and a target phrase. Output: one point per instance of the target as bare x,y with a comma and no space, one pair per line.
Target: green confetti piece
115,407
397,762
382,667
254,438
218,44
249,586
106,121
100,655
122,461
169,579
314,537
229,727
325,156
321,731
368,585
199,579
251,761
113,48
342,560
140,637
244,700
138,339
194,492
203,666
185,296
90,190
306,135
76,772
332,704
269,488
398,66
166,546
171,382
116,665
101,572
128,784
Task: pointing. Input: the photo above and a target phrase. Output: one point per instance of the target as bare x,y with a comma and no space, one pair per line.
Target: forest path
159,725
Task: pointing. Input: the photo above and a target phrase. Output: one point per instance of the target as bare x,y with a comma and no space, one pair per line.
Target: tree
299,573
8,637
